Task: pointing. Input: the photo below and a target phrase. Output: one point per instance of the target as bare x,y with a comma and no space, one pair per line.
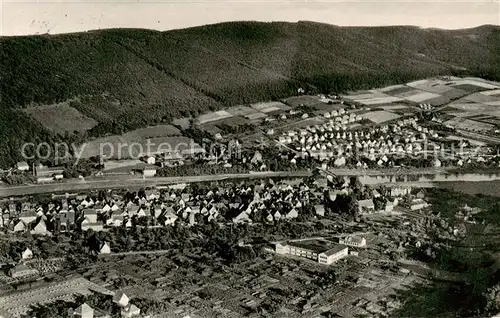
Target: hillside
128,78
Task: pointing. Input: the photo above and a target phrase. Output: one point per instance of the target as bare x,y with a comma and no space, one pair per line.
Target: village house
82,311
417,204
40,228
19,226
104,249
27,254
149,171
319,209
366,206
130,310
120,299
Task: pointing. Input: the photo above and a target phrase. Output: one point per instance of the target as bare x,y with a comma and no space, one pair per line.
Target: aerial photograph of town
232,159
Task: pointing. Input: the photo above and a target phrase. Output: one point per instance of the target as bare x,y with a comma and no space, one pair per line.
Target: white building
105,249
353,241
22,166
333,255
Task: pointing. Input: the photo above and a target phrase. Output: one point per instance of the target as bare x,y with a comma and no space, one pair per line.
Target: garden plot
380,116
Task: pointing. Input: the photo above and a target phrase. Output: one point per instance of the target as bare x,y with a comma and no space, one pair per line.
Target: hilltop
127,78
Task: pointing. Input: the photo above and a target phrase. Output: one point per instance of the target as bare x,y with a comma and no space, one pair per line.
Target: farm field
379,100
61,118
267,107
380,116
213,116
304,100
467,124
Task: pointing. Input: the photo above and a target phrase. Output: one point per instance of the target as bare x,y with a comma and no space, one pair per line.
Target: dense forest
127,78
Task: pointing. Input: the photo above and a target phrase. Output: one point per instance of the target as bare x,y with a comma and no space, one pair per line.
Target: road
134,182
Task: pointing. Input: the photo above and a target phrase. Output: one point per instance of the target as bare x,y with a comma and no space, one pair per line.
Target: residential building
400,191
366,206
417,204
130,310
27,254
149,171
104,249
19,226
120,299
40,228
320,209
83,311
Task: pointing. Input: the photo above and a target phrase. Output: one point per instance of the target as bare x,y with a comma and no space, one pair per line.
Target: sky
21,17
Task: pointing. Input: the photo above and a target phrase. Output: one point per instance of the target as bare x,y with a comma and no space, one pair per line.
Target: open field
267,107
61,118
122,147
212,116
379,100
495,92
380,116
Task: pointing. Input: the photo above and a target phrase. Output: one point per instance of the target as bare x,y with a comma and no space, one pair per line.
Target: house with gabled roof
292,214
121,299
27,254
82,311
170,218
104,248
130,311
40,228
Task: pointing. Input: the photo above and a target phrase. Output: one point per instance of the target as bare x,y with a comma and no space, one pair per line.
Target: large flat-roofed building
319,250
333,255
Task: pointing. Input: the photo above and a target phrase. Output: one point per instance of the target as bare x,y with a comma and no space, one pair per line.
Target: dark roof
317,246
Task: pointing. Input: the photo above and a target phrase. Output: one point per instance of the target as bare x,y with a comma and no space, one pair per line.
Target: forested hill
138,77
